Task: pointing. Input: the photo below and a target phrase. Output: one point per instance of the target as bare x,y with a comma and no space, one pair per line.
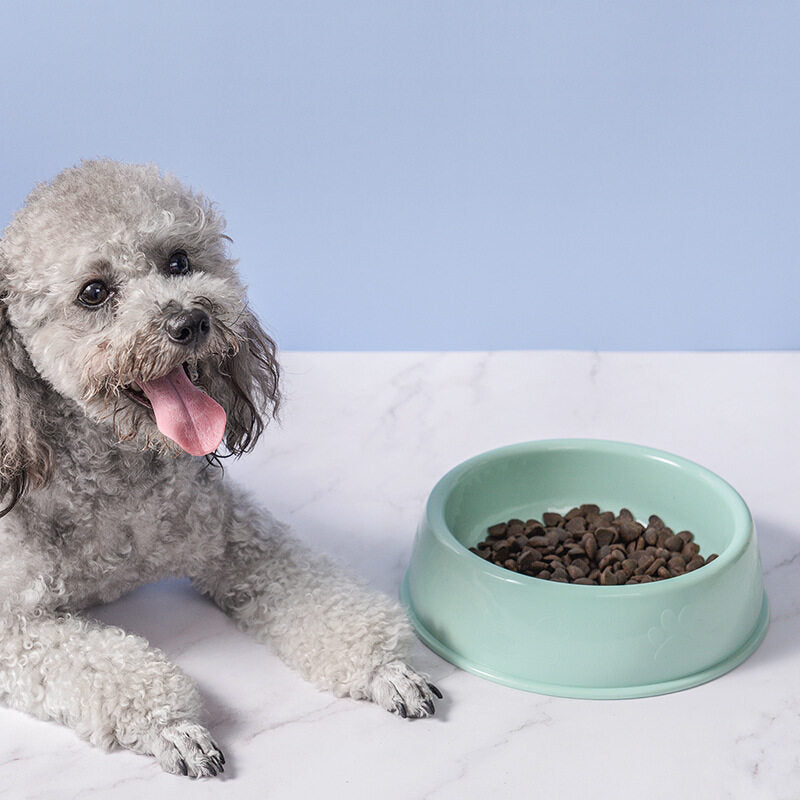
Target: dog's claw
182,767
401,709
435,691
429,707
215,760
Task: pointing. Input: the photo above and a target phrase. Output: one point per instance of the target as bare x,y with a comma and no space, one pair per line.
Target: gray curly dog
129,363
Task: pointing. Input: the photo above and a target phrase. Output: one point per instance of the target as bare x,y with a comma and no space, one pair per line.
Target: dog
130,364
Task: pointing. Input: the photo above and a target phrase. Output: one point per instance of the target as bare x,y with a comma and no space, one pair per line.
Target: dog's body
120,316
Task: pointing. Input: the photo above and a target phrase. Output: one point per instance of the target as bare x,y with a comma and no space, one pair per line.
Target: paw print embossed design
676,631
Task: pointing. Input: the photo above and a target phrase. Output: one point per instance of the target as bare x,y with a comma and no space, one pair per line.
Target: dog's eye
178,264
95,293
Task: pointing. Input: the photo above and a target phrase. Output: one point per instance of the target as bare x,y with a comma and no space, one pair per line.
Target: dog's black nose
189,327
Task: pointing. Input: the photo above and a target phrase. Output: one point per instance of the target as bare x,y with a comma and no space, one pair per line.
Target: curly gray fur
97,500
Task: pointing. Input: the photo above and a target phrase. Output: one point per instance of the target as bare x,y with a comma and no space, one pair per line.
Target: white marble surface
363,439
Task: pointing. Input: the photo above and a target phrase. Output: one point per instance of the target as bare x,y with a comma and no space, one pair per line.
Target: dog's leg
324,623
111,688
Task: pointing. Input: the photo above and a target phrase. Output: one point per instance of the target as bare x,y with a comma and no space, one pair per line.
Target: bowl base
591,693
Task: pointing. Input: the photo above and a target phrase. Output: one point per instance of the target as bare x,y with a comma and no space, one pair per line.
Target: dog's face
117,284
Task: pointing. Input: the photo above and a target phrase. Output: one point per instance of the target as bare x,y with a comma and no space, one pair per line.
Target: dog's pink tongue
185,413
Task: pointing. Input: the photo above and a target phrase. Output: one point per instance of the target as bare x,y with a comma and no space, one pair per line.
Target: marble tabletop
363,438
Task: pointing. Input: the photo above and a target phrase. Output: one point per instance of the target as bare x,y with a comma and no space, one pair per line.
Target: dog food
592,547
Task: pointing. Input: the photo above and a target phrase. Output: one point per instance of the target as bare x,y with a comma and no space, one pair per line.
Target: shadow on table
780,556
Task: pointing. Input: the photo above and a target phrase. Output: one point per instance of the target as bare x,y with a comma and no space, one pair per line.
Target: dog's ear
25,456
253,375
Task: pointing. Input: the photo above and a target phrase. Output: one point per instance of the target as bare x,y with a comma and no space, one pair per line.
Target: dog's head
116,288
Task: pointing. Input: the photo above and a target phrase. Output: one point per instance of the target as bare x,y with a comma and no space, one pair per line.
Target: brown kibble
576,525
553,537
695,563
575,572
677,563
501,552
644,559
613,551
526,559
606,562
608,578
605,536
690,549
655,566
589,543
629,531
516,528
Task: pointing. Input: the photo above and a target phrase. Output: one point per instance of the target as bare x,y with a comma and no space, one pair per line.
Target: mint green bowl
586,641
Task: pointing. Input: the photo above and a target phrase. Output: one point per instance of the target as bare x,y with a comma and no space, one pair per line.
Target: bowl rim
743,520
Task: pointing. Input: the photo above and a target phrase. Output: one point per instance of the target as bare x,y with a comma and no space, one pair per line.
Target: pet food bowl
575,640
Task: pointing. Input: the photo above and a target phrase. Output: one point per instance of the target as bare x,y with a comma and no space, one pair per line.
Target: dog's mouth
183,412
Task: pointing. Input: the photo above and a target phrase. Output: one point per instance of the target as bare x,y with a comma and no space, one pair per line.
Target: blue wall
449,175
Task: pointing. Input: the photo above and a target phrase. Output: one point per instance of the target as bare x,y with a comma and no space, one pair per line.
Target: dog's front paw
185,748
399,689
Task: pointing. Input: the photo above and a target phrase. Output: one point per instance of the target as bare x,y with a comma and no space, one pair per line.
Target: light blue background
449,175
